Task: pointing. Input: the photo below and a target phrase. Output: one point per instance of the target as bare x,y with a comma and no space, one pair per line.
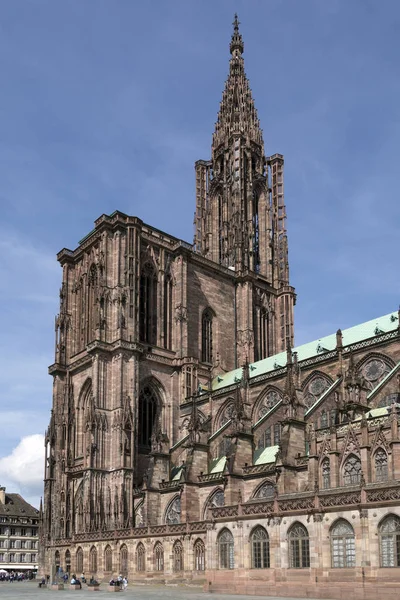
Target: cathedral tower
240,219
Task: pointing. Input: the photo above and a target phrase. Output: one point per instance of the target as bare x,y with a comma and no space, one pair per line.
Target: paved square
28,590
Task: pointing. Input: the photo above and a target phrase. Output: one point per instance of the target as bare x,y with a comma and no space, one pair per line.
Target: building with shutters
190,439
19,533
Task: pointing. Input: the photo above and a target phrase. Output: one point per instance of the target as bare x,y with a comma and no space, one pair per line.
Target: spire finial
236,41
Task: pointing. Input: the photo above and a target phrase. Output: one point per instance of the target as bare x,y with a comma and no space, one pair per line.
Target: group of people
120,581
14,576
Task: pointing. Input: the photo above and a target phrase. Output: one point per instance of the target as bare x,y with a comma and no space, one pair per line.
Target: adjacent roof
350,336
16,506
263,456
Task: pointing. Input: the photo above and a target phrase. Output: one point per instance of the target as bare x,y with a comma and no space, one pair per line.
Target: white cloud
22,470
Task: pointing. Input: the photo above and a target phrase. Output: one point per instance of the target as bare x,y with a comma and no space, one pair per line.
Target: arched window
148,407
206,336
343,545
79,560
266,490
159,557
199,556
93,560
326,473
381,465
226,550
140,558
57,560
148,305
173,512
216,499
68,561
168,312
389,541
352,470
299,547
108,559
123,560
177,554
259,549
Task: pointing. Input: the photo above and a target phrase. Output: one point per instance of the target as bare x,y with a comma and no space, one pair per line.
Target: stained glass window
206,337
269,401
343,545
79,560
381,465
326,473
352,471
314,390
93,560
267,490
173,514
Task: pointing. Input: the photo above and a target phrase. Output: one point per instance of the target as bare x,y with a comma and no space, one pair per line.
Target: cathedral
190,440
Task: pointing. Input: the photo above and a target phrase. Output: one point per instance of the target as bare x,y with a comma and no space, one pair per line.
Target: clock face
374,369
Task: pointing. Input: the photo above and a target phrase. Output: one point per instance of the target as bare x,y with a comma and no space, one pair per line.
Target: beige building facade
189,439
19,534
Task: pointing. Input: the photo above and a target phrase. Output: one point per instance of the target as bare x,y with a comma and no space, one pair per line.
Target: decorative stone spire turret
240,219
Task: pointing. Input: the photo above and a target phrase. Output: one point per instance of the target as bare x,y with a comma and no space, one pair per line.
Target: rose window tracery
374,371
226,415
314,390
268,402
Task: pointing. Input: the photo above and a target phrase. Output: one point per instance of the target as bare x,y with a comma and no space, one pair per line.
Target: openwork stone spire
237,113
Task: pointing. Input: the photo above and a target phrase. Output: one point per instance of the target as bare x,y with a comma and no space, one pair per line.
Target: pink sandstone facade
189,440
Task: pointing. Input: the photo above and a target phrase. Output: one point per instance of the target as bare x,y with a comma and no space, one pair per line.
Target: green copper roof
263,456
352,335
217,465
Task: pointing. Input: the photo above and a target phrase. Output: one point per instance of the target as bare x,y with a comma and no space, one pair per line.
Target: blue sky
107,104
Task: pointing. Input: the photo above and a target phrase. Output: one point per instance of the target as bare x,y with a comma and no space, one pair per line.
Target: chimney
2,495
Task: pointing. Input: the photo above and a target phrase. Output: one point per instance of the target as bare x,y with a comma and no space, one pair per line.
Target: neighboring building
19,536
188,439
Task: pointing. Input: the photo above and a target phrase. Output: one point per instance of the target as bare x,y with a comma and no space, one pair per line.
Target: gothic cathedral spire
240,213
240,218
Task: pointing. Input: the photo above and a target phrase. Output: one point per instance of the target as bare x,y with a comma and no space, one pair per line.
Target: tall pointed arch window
326,474
140,558
226,550
159,556
381,465
93,560
199,556
148,407
207,336
108,559
79,560
148,304
343,545
123,560
259,549
168,312
352,470
389,541
299,547
177,554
